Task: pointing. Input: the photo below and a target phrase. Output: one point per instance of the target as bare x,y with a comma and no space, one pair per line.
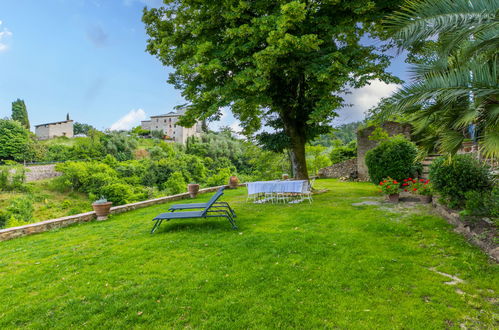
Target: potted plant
102,208
233,182
424,189
193,189
390,188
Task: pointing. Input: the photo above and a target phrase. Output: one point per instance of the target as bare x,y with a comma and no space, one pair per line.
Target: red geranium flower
395,182
410,179
381,183
414,189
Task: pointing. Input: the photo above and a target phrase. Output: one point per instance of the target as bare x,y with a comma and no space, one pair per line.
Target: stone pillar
364,144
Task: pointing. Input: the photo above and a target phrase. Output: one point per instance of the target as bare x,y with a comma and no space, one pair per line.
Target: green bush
221,178
455,177
118,193
342,153
394,158
15,142
13,178
485,203
19,212
175,184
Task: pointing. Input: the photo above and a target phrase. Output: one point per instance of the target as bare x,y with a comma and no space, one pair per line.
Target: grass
325,265
49,202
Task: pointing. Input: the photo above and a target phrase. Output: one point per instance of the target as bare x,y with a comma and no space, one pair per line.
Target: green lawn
325,265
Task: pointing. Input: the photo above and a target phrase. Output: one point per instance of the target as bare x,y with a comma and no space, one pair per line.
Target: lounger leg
156,225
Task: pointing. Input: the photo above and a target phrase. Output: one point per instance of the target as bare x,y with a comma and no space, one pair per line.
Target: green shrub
484,203
19,212
455,177
118,193
221,178
342,153
394,158
175,184
13,178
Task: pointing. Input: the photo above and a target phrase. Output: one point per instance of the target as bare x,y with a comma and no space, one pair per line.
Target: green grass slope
325,265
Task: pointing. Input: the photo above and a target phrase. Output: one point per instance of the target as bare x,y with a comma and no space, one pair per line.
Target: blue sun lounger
210,210
214,198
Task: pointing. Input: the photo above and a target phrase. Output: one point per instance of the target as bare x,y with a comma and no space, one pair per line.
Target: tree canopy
20,113
15,142
280,64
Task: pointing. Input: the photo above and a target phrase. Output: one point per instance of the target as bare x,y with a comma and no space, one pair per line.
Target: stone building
56,129
167,123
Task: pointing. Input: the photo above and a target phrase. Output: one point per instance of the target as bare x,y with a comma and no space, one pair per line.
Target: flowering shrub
389,186
419,187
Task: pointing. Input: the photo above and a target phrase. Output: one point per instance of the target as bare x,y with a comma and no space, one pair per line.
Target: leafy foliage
483,203
15,142
20,113
457,85
394,158
79,128
454,177
317,158
342,153
275,64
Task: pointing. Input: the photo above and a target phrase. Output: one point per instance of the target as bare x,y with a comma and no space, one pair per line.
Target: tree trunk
297,154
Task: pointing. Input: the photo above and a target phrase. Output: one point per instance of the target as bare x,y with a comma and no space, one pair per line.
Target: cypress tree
20,113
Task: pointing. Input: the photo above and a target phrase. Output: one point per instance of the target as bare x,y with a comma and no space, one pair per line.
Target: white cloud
5,35
362,99
129,120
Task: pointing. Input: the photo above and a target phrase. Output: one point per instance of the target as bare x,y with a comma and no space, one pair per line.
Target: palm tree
458,86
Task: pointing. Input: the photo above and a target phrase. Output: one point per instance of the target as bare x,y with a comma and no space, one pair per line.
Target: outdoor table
270,189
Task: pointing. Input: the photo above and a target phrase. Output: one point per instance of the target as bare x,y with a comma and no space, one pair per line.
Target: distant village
165,123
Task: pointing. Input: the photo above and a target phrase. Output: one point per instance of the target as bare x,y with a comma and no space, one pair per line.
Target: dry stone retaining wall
39,227
347,168
40,172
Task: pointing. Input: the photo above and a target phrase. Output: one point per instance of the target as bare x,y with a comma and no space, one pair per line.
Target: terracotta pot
285,176
102,210
393,198
425,198
233,182
193,189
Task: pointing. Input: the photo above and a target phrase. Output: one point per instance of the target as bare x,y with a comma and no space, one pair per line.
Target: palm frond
420,20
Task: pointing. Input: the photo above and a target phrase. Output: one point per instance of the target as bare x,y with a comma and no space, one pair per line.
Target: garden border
463,228
43,226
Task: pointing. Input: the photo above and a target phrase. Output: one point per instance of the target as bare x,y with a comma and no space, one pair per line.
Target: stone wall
39,227
347,168
364,144
40,172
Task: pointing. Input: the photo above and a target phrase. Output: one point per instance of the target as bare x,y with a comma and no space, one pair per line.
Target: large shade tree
280,64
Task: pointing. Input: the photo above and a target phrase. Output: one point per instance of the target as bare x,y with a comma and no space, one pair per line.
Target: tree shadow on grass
203,225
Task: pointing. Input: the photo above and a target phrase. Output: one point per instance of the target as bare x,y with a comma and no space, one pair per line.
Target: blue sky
87,58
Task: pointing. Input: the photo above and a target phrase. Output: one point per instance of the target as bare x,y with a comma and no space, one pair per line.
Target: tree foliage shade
20,113
278,64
